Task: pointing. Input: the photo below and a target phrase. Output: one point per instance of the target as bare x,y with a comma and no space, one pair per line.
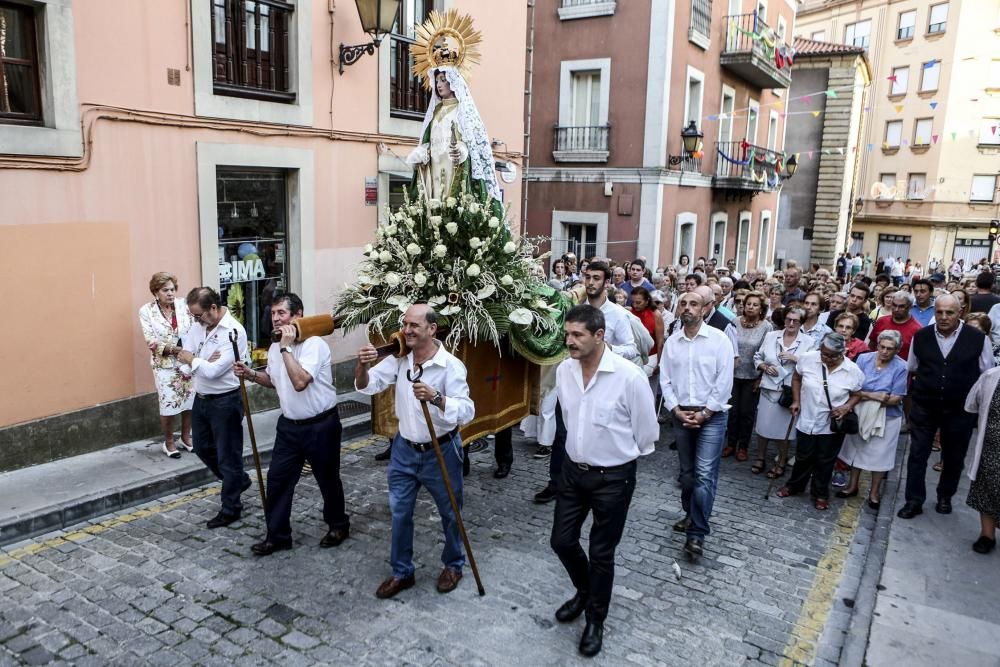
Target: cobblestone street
153,586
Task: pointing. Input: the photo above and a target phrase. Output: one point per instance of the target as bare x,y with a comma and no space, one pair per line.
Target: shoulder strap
826,389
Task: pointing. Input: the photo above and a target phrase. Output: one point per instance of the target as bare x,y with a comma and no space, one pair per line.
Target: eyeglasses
789,320
739,301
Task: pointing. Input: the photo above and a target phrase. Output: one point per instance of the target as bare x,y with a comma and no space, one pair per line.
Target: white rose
474,207
494,222
440,250
392,279
451,202
452,227
474,242
472,270
435,204
385,256
413,249
505,279
419,279
510,247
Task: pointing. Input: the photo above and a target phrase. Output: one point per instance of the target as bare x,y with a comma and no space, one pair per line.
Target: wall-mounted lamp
377,19
691,140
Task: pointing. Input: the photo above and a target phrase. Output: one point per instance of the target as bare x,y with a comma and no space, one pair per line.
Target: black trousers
956,427
608,496
294,444
558,450
217,429
743,413
814,457
503,448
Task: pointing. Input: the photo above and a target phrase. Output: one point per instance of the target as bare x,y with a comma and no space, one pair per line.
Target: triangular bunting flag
934,138
815,114
716,117
810,155
906,142
831,93
933,104
899,108
892,78
870,147
826,151
840,150
867,109
885,144
929,64
953,135
993,129
778,105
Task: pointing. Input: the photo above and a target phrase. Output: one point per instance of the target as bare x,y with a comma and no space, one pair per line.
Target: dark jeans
742,413
217,429
294,444
503,448
608,495
558,450
814,457
698,453
956,429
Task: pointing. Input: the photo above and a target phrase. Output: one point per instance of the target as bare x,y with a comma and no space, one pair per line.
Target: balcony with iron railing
587,143
743,166
407,96
752,52
579,9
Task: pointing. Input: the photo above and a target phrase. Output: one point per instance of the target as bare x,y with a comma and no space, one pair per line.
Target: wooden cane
447,481
788,434
253,439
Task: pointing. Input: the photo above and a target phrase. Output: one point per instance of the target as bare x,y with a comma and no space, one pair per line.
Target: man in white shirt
443,386
617,334
607,406
217,415
696,376
308,428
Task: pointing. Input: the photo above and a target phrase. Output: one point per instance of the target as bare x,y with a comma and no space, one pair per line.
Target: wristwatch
286,349
437,400
704,413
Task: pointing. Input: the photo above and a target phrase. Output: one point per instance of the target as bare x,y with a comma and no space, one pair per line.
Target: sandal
821,504
727,452
939,466
776,472
757,467
741,455
785,492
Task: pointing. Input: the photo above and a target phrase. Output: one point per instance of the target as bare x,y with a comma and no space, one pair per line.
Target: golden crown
445,39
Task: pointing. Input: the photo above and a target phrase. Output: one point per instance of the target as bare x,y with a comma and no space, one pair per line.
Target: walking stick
447,481
788,433
253,439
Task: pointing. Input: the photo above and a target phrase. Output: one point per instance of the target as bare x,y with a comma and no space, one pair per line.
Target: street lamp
691,139
791,164
377,19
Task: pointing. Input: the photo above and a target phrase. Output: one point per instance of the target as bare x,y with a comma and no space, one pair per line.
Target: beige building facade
930,155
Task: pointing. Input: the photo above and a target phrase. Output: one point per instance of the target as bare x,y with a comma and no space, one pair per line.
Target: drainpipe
529,72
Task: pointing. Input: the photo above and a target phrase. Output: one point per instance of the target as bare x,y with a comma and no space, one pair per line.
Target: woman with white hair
873,448
824,390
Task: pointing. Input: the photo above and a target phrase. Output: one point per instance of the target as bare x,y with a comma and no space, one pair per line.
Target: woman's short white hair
894,336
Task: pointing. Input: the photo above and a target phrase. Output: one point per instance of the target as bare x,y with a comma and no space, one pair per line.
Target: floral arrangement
457,255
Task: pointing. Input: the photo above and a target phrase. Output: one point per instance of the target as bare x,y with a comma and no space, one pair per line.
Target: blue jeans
699,451
217,429
408,470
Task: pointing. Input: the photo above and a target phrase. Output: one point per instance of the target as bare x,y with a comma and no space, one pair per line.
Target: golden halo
445,39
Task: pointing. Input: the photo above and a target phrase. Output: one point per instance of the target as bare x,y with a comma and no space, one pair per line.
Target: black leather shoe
943,506
694,547
572,608
592,639
502,471
984,545
266,548
220,520
246,485
682,525
334,538
909,511
546,495
384,454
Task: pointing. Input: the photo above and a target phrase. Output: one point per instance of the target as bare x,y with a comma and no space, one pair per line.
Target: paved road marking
98,528
801,648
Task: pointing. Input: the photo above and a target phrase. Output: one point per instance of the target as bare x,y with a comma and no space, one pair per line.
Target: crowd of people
816,376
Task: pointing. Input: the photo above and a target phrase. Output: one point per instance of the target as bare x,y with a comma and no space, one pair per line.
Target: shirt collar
957,330
701,331
440,357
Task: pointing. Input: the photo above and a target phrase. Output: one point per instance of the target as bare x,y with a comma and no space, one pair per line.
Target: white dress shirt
611,421
946,343
445,373
697,371
995,321
814,411
313,354
617,330
215,377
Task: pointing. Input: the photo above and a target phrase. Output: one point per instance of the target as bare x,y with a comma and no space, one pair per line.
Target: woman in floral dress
165,321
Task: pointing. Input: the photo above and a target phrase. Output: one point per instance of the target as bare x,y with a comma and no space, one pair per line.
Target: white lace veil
471,125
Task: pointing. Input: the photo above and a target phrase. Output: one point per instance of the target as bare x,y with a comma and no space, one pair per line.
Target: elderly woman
846,324
982,322
984,494
776,359
751,328
874,449
165,321
824,388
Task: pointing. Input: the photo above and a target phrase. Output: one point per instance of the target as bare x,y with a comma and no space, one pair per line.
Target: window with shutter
930,76
983,188
894,133
922,131
900,80
938,20
251,49
20,91
915,185
907,24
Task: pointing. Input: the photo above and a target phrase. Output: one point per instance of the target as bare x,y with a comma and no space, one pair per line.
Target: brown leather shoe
393,585
334,538
448,580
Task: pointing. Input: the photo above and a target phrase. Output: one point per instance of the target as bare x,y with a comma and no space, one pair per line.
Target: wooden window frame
232,60
9,117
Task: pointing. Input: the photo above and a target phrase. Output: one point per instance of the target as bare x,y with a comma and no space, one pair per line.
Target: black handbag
848,424
787,397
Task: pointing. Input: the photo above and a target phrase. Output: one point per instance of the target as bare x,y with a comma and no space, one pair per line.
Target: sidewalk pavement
937,599
51,496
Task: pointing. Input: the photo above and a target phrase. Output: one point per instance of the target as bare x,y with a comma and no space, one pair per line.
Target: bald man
714,317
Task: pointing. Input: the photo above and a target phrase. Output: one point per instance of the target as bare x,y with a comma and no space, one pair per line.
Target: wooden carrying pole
447,482
253,439
788,433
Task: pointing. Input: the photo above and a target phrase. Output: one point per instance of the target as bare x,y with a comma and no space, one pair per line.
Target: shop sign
241,271
371,191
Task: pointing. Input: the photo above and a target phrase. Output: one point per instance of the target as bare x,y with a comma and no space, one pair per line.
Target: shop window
20,90
250,55
253,247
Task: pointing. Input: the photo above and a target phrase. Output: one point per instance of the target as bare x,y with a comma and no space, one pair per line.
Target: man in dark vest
946,358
